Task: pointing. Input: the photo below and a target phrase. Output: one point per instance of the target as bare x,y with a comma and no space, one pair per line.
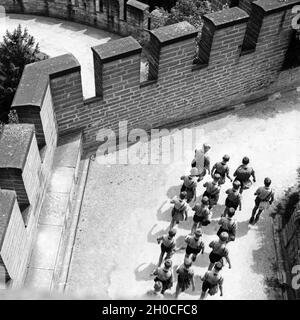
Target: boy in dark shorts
202,214
185,277
264,198
190,184
222,169
164,275
195,245
167,246
233,199
179,211
219,250
228,224
212,281
212,191
243,174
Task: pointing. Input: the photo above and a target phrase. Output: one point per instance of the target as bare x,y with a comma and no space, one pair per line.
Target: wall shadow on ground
271,108
173,191
143,274
151,237
242,229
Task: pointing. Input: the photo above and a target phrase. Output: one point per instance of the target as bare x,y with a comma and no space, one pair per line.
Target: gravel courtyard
125,207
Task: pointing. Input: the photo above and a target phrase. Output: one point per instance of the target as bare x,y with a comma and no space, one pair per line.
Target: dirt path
126,207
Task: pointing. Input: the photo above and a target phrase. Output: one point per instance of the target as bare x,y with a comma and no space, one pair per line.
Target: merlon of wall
226,18
117,49
35,78
116,65
271,6
174,33
33,87
212,24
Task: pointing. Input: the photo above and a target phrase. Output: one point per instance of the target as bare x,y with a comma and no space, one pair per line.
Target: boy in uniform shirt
233,199
201,161
195,245
212,191
202,214
212,280
222,169
185,277
219,250
243,174
179,211
190,184
228,224
264,198
164,275
167,245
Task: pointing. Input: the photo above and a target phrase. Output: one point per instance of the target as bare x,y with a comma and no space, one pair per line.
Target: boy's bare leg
194,227
172,224
160,259
177,291
203,294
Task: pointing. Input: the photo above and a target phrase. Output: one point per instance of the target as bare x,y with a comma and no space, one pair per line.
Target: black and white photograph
150,150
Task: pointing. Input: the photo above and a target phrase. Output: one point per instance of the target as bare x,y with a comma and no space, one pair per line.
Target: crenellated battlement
240,58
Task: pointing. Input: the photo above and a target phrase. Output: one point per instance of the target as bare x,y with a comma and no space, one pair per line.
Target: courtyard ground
125,207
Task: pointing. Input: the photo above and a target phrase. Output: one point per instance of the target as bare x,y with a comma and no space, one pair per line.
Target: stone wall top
174,33
271,6
227,17
35,78
7,200
138,5
117,49
15,141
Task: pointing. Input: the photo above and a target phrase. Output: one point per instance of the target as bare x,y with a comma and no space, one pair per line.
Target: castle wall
240,56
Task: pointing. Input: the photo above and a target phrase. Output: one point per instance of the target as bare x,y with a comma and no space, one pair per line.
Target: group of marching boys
212,279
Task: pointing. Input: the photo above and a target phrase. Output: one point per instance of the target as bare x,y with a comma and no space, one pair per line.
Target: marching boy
167,246
185,277
190,184
234,198
212,281
212,191
264,198
179,211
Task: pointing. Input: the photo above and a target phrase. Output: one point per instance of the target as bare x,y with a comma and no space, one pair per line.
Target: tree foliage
184,10
190,11
17,49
